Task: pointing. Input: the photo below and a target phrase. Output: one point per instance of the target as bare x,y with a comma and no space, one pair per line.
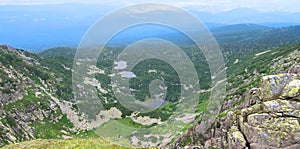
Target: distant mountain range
40,27
231,38
247,15
243,37
238,28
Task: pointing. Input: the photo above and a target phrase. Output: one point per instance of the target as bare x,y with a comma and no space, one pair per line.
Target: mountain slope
262,106
36,93
29,105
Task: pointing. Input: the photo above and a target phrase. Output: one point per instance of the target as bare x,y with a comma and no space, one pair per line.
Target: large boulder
272,86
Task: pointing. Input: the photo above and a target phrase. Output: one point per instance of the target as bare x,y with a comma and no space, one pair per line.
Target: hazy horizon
38,25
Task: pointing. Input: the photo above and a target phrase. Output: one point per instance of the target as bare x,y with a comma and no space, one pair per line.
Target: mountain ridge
232,39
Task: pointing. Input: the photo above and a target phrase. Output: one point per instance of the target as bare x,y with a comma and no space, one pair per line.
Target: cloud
146,9
36,20
11,21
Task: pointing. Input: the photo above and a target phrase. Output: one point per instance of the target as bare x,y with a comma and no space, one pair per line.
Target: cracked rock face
270,123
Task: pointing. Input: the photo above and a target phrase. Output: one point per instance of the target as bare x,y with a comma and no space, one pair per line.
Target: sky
201,5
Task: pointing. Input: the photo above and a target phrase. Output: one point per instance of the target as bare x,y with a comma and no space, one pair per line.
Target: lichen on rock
272,85
292,89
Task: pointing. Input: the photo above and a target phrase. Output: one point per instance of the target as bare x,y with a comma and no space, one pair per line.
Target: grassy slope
90,143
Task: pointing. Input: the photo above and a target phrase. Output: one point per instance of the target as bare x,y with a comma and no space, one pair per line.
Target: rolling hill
59,51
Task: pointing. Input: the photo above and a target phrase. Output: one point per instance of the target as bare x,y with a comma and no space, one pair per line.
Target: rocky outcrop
268,118
272,86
